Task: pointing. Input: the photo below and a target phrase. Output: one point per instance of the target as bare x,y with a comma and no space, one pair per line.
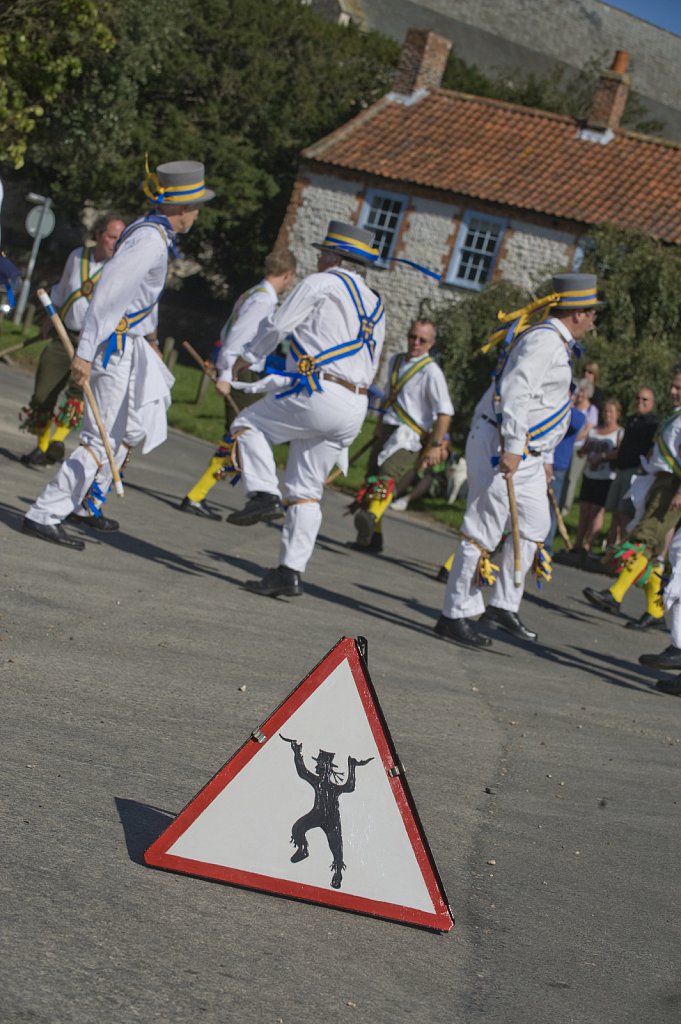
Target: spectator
563,455
592,372
600,451
583,403
638,439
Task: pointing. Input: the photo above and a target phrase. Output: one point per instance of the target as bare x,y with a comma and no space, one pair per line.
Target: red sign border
157,854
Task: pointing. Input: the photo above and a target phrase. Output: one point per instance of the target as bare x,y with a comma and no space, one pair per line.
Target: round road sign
40,222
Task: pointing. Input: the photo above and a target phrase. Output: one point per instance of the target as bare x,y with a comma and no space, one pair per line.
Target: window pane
383,218
478,250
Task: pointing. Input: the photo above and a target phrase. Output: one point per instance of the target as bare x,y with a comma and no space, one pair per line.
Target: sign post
39,224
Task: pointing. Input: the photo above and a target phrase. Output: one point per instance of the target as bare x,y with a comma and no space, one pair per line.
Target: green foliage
637,341
638,333
41,48
462,329
242,86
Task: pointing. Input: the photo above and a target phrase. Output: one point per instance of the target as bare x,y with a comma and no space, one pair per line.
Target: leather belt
355,388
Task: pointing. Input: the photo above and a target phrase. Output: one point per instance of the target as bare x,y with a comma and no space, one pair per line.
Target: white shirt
250,309
535,384
131,281
671,433
69,282
424,397
321,314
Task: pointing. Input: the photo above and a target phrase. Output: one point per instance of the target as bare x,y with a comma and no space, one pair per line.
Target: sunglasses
417,337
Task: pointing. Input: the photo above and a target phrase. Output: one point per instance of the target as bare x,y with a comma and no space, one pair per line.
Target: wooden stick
515,532
560,522
209,371
87,390
17,348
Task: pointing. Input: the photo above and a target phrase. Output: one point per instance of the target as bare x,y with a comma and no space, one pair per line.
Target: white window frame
375,193
451,277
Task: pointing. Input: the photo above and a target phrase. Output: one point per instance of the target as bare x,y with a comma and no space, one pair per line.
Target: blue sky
664,13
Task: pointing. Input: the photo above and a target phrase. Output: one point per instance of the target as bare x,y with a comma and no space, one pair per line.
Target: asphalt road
546,776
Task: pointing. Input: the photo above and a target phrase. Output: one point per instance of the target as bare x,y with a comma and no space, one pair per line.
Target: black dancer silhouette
325,814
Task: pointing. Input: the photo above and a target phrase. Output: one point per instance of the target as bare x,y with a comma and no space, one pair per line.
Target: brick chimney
610,97
422,62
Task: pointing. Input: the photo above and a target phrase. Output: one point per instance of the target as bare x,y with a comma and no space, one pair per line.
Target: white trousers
672,592
319,428
111,387
487,514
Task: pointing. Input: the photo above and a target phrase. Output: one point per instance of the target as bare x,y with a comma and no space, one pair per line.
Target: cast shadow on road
16,457
173,500
161,556
142,824
342,547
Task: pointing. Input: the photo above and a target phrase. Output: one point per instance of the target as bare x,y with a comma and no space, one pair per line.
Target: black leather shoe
374,547
672,686
101,523
279,582
55,452
602,599
260,508
508,621
199,508
365,524
669,658
55,534
35,459
442,574
647,621
460,631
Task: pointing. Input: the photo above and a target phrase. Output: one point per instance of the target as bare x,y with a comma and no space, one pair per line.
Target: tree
40,54
638,336
462,329
242,86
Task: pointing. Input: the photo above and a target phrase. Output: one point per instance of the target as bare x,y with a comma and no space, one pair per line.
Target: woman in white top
600,451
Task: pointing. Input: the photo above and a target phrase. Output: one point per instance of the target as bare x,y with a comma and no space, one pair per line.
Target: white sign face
317,810
40,222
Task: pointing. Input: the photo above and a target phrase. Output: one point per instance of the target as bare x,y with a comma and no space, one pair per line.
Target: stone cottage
478,189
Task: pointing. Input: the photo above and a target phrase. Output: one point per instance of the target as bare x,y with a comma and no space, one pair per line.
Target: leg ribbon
542,565
228,453
486,569
33,420
69,415
631,562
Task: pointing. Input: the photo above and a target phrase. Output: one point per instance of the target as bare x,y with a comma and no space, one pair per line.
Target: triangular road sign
315,806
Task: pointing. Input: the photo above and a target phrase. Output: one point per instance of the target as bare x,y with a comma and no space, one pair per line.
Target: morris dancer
71,298
129,381
657,503
516,425
417,412
250,309
337,325
670,659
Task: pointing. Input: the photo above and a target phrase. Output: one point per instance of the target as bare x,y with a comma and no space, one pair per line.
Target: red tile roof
513,156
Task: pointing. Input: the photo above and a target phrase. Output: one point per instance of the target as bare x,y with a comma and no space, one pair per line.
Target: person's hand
80,371
432,457
508,463
223,387
675,503
548,469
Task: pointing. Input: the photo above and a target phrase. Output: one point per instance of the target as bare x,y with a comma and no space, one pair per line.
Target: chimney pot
422,62
610,96
621,62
